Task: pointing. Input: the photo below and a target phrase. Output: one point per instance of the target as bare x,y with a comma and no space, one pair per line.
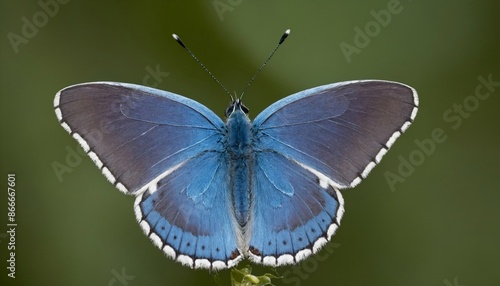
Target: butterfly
209,192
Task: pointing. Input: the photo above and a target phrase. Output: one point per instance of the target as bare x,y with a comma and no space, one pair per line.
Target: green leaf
243,277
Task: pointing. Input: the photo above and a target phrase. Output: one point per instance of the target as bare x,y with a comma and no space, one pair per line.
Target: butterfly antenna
176,38
285,35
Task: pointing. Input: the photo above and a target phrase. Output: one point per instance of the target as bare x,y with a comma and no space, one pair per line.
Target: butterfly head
234,106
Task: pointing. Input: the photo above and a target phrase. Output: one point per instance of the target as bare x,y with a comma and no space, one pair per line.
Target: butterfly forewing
345,130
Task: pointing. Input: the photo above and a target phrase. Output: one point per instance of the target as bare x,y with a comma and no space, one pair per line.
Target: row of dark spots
257,252
234,254
188,244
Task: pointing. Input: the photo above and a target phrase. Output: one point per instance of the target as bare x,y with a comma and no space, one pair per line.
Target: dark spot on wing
255,251
234,254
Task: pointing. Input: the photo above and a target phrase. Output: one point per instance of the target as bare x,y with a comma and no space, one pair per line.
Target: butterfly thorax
239,151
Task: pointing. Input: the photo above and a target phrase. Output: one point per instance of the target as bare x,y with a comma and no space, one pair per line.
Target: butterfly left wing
309,145
168,151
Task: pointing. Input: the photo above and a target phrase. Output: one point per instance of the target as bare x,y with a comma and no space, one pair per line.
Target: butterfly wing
168,151
307,147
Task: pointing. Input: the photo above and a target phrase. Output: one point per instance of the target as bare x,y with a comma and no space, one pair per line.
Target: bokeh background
436,222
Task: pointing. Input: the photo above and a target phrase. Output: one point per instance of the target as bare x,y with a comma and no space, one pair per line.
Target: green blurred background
435,223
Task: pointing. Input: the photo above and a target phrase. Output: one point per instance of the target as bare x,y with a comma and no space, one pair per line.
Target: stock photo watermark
73,158
454,118
302,271
11,225
30,26
221,7
120,278
154,76
363,36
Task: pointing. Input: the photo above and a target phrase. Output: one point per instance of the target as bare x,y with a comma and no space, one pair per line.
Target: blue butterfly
210,193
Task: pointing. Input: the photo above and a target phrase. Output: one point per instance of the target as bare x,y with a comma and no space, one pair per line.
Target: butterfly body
210,193
239,149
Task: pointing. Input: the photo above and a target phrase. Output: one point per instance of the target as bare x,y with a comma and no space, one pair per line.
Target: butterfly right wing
307,147
168,151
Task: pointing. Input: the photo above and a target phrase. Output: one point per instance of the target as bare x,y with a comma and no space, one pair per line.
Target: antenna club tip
285,35
178,40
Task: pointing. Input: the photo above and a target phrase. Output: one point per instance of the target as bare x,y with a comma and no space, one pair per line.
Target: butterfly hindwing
186,213
168,151
294,213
